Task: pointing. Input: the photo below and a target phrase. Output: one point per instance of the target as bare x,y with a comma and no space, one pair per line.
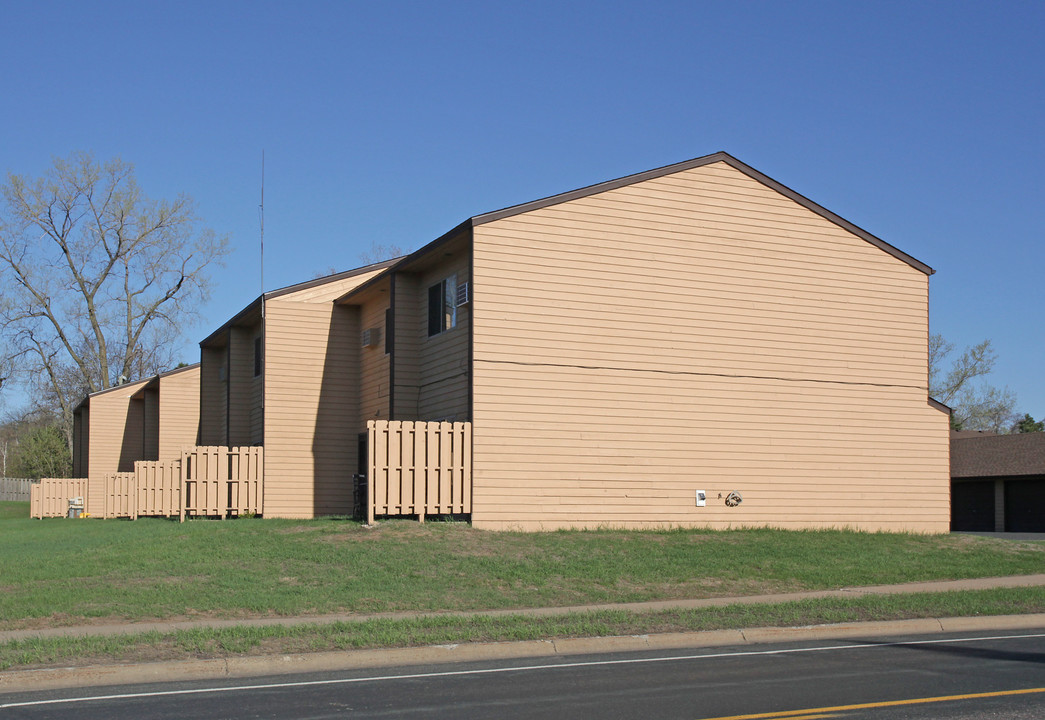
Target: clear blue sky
390,122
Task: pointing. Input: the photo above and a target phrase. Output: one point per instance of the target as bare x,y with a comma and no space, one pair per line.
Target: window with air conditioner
442,306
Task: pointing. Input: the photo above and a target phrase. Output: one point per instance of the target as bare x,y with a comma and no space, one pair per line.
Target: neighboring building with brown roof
998,482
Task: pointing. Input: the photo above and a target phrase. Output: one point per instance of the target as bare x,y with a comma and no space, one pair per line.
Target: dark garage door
972,505
1025,505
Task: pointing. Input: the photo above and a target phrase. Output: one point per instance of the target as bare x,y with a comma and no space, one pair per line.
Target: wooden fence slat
418,477
214,481
418,468
466,469
50,496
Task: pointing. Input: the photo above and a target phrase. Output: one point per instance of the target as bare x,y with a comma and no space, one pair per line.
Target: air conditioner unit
464,294
371,337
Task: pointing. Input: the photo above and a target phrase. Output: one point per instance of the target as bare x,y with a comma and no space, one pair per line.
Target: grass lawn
64,572
434,630
14,510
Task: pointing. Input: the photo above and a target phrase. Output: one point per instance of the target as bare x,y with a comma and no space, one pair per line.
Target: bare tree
99,278
379,252
976,404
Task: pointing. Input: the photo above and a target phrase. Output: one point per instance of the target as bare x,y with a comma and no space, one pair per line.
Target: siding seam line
701,374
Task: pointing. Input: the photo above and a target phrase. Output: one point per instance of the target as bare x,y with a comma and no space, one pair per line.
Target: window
442,306
257,356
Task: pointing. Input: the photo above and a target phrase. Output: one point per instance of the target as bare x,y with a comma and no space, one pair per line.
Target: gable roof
589,190
255,306
998,455
722,157
138,385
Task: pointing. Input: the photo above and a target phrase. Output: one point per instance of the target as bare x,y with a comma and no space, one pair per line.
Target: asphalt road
999,675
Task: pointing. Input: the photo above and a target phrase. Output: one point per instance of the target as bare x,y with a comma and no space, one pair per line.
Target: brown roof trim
175,371
407,259
143,382
934,403
330,278
376,280
695,163
255,306
146,382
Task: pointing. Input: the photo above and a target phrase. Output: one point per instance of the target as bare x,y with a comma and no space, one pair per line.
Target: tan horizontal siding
700,332
151,424
732,248
628,465
311,407
444,362
257,410
243,403
374,364
690,312
115,437
410,321
179,412
212,397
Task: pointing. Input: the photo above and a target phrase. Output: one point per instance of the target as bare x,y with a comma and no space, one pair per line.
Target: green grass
245,640
67,572
14,510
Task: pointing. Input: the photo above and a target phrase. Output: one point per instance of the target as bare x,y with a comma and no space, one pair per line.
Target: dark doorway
972,505
1025,505
360,495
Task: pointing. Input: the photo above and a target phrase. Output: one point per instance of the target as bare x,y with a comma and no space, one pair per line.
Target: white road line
524,668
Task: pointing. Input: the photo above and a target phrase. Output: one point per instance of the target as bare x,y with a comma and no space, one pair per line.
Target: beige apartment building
696,345
151,419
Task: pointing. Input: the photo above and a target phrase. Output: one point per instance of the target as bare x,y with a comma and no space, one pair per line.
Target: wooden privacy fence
419,468
15,489
50,497
221,480
213,481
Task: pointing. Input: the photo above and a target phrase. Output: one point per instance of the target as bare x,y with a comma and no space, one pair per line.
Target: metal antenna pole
261,214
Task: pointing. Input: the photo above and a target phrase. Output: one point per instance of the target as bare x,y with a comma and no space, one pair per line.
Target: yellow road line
798,714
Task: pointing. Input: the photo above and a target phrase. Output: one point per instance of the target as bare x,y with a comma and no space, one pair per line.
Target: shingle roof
998,455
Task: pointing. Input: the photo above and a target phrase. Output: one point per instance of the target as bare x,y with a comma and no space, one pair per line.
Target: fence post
183,471
133,500
371,451
223,481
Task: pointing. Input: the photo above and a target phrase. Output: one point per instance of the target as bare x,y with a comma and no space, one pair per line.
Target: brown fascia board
114,388
934,403
583,192
175,371
330,278
255,306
